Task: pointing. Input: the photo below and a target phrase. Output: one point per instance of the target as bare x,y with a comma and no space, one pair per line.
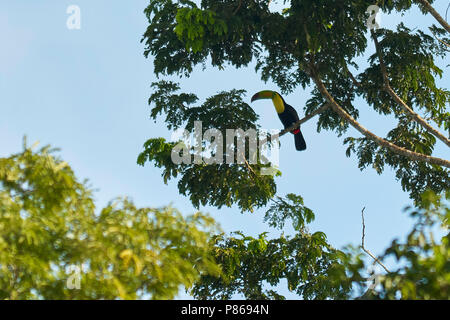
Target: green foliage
192,24
332,35
415,176
343,93
48,220
232,183
412,74
315,270
311,267
224,110
48,223
249,264
425,262
290,208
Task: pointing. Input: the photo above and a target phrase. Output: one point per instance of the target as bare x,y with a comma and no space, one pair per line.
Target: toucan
286,113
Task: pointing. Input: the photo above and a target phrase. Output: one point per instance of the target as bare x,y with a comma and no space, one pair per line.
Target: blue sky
85,91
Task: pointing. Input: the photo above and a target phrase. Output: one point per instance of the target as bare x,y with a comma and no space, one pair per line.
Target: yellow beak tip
266,94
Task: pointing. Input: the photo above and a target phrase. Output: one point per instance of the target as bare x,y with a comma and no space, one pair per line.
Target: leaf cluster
48,223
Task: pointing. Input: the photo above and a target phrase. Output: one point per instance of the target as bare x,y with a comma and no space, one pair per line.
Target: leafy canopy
324,41
232,183
313,269
330,37
48,224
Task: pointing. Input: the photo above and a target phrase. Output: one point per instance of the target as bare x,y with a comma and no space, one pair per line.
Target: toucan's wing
288,119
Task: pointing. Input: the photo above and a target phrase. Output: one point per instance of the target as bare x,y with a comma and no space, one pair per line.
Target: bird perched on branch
286,113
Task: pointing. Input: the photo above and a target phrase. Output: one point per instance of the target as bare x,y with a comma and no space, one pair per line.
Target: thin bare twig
364,248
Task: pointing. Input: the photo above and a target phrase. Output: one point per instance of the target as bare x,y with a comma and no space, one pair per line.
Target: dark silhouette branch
399,100
355,82
364,248
435,14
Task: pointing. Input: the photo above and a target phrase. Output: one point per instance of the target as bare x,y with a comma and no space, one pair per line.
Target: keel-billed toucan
286,113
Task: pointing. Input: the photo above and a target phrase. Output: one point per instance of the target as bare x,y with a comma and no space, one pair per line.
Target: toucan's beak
266,94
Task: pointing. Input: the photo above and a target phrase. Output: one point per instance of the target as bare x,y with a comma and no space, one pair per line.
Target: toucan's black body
288,117
287,114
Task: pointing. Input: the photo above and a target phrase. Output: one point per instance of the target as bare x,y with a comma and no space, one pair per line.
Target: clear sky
85,91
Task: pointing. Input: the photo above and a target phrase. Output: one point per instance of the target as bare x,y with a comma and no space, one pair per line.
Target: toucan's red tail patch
296,131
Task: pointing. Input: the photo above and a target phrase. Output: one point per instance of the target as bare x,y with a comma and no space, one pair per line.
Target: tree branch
364,248
435,14
238,7
399,100
355,82
440,40
380,141
299,122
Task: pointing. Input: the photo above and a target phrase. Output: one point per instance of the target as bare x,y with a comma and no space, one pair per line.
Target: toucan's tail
300,143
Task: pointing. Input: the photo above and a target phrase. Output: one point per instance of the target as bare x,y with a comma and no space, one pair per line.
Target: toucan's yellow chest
278,103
